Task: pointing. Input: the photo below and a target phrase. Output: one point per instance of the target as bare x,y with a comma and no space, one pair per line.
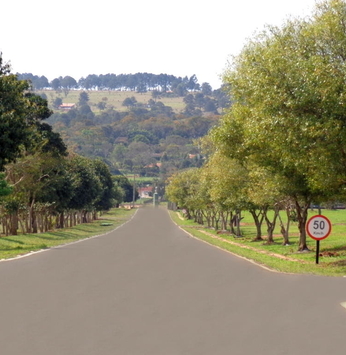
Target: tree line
281,146
42,184
140,82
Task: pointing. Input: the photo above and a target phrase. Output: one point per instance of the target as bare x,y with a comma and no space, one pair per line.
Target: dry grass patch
113,99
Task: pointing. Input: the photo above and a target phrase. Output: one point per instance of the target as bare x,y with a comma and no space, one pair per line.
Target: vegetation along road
148,287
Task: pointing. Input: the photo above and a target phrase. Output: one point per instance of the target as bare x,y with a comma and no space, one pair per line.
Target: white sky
181,37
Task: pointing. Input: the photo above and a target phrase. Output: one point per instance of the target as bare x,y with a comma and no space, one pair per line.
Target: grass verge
16,245
276,256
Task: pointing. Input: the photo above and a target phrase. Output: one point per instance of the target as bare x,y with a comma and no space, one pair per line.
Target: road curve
147,288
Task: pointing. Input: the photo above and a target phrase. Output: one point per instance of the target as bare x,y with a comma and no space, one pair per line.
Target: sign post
318,228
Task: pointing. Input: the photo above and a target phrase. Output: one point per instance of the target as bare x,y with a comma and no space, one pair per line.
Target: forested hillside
150,140
145,123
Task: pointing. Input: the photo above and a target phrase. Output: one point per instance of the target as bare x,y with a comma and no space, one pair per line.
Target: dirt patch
338,263
329,254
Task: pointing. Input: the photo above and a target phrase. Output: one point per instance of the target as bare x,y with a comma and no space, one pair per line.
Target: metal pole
317,250
155,198
134,190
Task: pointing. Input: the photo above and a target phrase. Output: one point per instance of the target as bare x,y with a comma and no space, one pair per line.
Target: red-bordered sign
318,227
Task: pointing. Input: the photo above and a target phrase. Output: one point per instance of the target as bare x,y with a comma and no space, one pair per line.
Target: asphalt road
148,288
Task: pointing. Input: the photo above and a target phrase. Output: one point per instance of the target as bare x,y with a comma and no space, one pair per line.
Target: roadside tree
104,201
86,185
181,188
125,187
288,113
19,112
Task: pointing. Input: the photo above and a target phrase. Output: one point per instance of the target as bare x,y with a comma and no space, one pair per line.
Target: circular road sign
318,227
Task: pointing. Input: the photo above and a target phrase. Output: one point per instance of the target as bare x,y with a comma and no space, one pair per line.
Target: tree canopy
288,113
40,178
14,131
281,145
140,82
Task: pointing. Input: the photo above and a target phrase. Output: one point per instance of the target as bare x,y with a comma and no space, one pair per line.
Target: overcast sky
181,37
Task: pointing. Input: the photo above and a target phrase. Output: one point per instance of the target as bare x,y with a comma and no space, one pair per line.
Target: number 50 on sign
318,227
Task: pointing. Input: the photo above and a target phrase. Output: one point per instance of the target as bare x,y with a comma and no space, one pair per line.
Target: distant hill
150,133
142,123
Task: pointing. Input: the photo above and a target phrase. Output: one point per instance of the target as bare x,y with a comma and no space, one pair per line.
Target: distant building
153,165
66,107
145,192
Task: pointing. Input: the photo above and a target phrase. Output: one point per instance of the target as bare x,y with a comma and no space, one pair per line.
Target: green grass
276,256
113,99
13,246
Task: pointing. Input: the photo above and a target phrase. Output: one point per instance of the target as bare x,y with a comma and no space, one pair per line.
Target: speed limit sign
318,227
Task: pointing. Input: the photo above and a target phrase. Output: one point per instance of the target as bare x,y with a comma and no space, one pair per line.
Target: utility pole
134,190
156,198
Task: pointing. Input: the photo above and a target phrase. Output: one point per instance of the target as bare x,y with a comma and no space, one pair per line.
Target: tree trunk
235,222
32,216
70,216
195,216
213,215
258,222
39,219
33,221
21,225
217,220
285,230
5,227
302,216
271,225
84,217
224,219
79,217
200,217
187,214
3,222
14,223
206,215
27,223
61,220
231,223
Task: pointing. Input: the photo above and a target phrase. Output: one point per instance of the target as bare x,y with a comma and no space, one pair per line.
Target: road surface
148,288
